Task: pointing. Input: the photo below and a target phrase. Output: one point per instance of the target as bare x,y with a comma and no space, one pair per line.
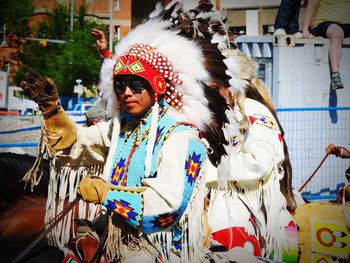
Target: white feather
237,85
217,38
106,86
158,9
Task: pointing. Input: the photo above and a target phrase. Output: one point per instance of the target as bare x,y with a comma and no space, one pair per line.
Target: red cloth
237,237
131,66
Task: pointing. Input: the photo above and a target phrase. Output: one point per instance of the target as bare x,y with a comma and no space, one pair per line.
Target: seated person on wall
287,18
329,19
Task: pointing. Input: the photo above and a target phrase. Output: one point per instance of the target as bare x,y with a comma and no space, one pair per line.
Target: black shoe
336,83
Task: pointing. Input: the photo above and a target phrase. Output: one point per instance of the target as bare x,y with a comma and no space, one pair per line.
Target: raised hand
101,42
338,151
41,90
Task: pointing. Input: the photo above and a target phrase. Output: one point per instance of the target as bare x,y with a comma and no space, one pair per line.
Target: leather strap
50,225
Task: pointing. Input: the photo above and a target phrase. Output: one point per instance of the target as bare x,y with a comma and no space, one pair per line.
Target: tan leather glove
93,189
61,131
43,91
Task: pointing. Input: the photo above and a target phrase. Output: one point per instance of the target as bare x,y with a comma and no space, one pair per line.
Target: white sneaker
298,35
280,31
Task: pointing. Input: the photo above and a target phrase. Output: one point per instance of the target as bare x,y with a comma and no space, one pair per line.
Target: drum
323,232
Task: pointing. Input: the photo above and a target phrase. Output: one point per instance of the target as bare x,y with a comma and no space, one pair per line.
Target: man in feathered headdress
153,156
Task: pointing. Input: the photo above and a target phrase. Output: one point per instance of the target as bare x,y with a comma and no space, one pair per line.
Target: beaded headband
148,63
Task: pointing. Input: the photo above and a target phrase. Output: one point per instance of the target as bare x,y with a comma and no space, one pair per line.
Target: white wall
252,22
248,3
300,71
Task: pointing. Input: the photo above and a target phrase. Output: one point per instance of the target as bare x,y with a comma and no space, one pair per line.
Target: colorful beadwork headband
148,63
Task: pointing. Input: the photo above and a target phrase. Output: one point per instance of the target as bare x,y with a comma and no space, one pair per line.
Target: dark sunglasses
136,86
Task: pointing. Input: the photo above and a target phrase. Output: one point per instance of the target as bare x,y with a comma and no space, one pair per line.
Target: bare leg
336,35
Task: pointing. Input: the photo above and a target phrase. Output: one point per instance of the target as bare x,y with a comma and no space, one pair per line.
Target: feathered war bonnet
172,58
169,44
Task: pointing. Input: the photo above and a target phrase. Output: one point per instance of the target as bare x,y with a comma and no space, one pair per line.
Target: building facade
118,15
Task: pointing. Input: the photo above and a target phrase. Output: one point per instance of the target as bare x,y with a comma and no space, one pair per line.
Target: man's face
135,94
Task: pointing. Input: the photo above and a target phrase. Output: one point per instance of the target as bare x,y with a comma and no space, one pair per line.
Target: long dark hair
213,62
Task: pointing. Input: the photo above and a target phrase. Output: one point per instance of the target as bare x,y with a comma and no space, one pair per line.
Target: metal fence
307,131
21,134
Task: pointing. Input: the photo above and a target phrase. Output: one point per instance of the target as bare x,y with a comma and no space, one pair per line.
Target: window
116,5
268,29
18,93
6,66
238,30
116,32
2,34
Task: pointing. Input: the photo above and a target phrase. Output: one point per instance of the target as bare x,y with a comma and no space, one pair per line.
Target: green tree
15,14
64,63
58,24
79,59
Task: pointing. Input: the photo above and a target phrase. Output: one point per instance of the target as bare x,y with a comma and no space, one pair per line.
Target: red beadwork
148,55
